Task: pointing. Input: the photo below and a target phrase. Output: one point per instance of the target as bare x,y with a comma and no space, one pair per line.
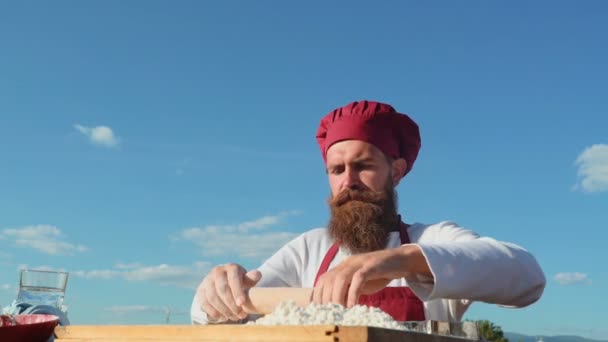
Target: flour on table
288,313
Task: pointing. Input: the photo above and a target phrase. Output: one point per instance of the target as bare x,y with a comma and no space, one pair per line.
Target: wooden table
192,333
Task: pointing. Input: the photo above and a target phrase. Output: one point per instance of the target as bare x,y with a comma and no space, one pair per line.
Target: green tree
491,332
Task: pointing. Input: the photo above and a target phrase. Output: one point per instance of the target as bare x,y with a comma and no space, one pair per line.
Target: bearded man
367,254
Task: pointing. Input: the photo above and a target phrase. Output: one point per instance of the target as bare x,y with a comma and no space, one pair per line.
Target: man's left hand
368,273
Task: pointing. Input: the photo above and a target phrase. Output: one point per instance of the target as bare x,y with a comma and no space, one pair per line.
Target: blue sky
143,142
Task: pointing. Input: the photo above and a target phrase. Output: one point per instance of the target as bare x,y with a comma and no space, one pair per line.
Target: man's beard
361,220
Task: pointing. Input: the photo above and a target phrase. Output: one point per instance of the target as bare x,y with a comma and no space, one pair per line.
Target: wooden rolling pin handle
263,300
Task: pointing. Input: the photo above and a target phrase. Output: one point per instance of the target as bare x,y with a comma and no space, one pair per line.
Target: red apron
399,302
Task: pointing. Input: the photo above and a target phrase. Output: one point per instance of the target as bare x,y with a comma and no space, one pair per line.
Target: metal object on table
467,330
42,287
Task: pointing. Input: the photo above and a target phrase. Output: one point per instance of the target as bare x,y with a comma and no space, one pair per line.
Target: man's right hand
223,292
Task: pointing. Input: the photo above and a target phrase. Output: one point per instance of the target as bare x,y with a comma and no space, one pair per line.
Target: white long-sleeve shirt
465,266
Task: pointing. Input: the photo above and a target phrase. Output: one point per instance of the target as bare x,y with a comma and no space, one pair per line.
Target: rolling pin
263,300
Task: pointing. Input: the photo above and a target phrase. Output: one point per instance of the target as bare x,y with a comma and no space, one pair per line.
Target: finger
251,278
218,304
212,314
242,314
235,277
339,291
222,288
327,291
216,292
317,292
214,307
245,282
354,290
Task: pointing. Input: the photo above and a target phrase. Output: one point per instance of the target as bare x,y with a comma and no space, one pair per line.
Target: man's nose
352,180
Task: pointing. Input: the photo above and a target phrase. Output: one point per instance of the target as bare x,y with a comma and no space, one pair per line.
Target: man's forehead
352,149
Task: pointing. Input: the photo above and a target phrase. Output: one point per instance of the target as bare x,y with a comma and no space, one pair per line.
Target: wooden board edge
324,333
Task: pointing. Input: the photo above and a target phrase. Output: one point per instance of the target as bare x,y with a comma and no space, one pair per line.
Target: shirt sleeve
467,267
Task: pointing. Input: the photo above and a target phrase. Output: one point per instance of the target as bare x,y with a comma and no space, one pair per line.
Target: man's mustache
348,195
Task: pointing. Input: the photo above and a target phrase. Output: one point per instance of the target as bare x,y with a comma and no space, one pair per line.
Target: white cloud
180,276
122,266
98,274
99,135
6,287
593,169
565,278
247,239
44,238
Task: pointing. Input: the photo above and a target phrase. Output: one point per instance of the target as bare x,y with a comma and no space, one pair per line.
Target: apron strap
329,256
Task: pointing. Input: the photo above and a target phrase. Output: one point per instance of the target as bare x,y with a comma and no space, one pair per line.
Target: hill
515,337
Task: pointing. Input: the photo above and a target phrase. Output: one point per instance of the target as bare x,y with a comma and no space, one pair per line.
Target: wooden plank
254,333
373,334
321,333
379,334
350,334
125,340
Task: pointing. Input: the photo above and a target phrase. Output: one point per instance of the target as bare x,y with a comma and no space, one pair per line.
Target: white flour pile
288,313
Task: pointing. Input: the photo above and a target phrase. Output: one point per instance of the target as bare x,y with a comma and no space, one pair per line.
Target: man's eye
337,170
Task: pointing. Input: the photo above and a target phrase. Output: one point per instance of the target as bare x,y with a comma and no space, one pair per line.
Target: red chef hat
395,134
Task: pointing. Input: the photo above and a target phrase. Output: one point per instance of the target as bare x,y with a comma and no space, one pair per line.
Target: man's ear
398,168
